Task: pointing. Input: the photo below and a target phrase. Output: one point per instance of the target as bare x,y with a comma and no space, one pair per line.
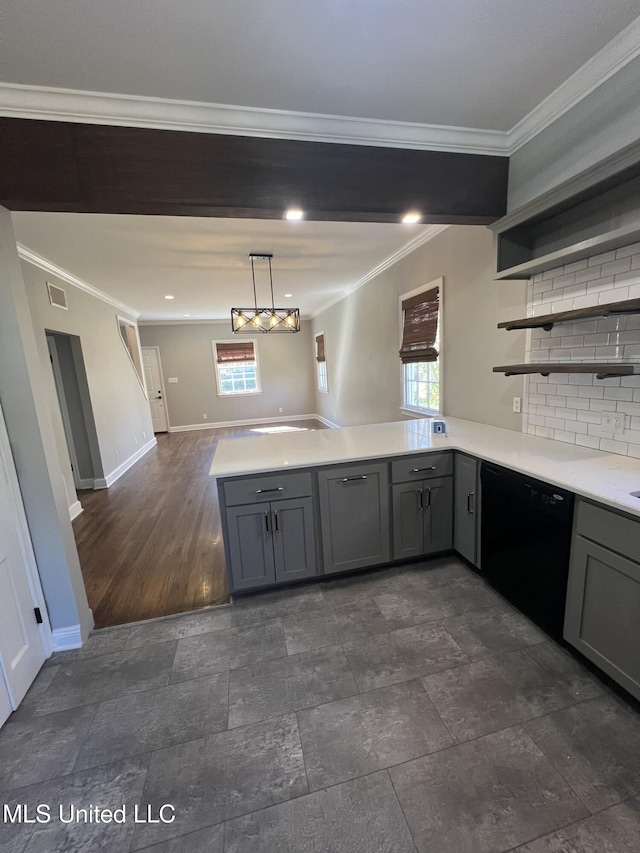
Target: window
236,367
420,349
321,363
129,337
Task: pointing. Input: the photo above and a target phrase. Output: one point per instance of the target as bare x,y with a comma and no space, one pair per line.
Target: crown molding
617,53
37,260
420,239
50,104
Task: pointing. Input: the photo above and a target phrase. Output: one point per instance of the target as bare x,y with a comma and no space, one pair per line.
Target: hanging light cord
253,276
271,283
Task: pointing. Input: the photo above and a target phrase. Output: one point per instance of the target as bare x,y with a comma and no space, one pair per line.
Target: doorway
72,390
155,388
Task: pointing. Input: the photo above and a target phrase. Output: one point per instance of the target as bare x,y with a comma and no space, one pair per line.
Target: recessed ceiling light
288,295
294,213
186,315
169,296
411,218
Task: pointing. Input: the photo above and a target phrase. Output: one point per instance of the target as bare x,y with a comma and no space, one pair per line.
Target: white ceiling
466,63
204,263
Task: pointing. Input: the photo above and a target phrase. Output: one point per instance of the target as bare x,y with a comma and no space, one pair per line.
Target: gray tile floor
405,710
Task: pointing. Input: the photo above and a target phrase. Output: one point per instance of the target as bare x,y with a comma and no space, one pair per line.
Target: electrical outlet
135,440
280,409
144,435
517,401
205,416
612,422
117,455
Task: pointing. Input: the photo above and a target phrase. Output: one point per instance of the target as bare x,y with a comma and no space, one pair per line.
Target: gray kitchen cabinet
465,510
602,617
354,516
422,517
269,541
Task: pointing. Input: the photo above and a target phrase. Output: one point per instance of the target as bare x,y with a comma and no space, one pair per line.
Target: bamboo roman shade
242,351
320,356
420,327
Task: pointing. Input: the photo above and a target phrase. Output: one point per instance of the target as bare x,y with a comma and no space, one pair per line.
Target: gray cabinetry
422,505
354,516
602,618
272,539
465,512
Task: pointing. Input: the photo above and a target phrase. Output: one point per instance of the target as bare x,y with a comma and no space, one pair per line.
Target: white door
155,388
22,651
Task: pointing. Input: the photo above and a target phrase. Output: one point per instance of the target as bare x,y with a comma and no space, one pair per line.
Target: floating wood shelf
603,370
547,321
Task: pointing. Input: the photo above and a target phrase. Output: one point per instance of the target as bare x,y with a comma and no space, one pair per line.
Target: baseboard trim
124,467
247,422
66,638
327,422
75,509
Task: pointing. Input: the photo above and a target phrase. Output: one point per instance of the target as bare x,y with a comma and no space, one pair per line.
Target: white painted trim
24,536
75,510
68,638
179,322
38,261
439,283
99,483
326,422
54,104
617,53
110,478
216,367
248,422
420,239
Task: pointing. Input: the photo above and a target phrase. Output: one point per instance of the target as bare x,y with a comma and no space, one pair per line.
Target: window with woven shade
236,365
420,349
321,363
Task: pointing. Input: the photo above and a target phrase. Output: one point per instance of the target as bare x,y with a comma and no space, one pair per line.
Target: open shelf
602,370
547,321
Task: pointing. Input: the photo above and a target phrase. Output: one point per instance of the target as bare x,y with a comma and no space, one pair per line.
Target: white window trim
139,374
235,394
439,283
317,363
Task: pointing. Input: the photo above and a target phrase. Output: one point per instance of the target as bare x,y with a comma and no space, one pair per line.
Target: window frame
320,372
406,407
133,349
219,391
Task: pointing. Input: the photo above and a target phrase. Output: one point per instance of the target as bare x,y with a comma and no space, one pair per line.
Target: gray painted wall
120,407
604,122
25,400
186,352
362,336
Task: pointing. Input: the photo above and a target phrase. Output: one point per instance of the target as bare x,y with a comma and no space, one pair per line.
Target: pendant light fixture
252,320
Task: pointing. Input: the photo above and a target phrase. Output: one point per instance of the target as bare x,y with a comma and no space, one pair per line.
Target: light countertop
604,477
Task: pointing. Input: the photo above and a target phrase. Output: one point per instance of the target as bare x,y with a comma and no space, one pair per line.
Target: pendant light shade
252,320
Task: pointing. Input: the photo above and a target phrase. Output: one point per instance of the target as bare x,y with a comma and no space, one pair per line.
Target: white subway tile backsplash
569,407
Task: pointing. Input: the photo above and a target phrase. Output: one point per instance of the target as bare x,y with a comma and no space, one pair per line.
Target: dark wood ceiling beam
83,168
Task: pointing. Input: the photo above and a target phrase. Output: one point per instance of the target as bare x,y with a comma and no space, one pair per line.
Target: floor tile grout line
393,787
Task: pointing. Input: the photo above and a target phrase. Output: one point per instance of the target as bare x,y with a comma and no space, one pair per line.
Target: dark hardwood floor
151,545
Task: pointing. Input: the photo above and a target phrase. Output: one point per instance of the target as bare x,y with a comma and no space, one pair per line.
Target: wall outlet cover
612,422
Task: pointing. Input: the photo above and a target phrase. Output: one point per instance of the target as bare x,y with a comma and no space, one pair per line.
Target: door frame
24,538
161,374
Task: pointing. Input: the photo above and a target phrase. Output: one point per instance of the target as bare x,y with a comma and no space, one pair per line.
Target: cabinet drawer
271,487
618,532
420,467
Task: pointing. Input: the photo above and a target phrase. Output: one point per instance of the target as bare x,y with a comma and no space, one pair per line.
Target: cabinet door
354,514
438,514
408,520
294,541
602,618
250,546
465,507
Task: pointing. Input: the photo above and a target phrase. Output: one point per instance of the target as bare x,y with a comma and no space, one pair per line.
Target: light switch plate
172,380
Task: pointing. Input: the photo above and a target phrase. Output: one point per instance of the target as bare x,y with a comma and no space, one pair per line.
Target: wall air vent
57,296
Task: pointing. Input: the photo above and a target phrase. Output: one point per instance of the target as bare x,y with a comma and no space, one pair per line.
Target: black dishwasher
526,539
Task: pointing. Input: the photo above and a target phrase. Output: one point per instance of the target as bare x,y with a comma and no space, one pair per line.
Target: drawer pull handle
349,479
430,468
264,491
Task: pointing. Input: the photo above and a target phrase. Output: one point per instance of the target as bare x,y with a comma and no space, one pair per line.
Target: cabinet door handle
428,491
430,468
275,521
266,523
470,503
420,506
349,479
264,491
